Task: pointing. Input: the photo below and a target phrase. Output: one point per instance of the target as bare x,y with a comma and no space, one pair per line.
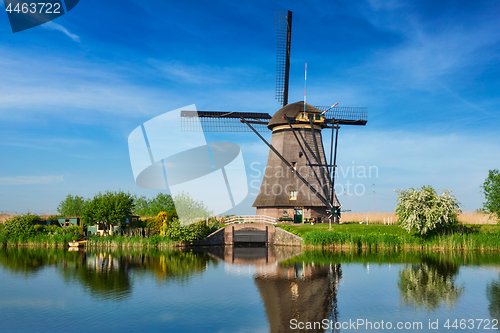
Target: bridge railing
250,219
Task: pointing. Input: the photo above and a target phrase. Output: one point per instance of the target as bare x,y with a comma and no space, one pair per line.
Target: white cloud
43,142
202,73
30,180
429,50
55,26
51,85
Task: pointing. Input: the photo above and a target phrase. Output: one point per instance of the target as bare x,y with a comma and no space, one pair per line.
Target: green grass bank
461,237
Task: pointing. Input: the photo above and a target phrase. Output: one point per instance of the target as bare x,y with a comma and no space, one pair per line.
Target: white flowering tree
422,210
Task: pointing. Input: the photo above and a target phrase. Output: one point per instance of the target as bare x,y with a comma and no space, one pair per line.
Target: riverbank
349,236
318,236
117,241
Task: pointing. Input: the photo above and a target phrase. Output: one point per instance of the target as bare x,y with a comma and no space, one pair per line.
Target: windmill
298,181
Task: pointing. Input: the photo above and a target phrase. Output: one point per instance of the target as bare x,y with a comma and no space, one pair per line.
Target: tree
71,206
491,188
188,209
110,208
152,207
423,210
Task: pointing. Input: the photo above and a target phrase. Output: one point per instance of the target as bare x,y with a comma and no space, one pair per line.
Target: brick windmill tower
298,182
297,136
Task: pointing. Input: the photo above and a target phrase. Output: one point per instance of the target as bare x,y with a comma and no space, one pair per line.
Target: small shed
100,228
69,221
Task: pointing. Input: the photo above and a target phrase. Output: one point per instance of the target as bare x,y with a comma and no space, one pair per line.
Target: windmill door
297,218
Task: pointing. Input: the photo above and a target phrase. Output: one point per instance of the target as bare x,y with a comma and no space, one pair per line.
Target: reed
475,217
371,217
120,241
6,215
455,241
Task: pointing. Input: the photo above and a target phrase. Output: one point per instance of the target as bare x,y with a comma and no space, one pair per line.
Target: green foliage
422,210
491,188
152,207
291,229
140,223
151,223
161,221
53,230
188,233
39,229
493,294
21,226
71,206
74,230
189,209
164,220
110,208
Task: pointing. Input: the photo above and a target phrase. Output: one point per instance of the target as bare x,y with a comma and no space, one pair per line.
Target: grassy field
472,217
351,228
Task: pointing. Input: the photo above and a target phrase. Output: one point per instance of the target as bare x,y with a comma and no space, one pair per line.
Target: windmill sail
283,21
222,121
230,121
345,115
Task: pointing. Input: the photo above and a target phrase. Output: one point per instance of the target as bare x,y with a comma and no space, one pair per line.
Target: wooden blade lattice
222,121
345,115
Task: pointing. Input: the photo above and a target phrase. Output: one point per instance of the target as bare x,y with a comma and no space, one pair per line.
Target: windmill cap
291,111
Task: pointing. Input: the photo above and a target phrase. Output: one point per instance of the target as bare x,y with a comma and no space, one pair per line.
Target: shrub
153,223
74,230
39,229
53,230
191,232
21,225
424,210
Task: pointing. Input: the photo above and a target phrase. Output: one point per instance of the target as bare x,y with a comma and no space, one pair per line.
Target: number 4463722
484,324
35,7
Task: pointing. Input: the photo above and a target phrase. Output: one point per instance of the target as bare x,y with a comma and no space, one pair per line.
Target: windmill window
293,195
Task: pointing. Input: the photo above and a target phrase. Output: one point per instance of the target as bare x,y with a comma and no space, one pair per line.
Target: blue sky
72,90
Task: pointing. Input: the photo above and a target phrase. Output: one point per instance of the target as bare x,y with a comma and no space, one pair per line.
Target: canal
247,289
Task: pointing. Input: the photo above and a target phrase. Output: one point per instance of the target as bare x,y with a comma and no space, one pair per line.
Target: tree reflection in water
101,274
28,261
106,274
429,284
493,294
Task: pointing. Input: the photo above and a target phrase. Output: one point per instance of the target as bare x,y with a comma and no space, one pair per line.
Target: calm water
246,290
